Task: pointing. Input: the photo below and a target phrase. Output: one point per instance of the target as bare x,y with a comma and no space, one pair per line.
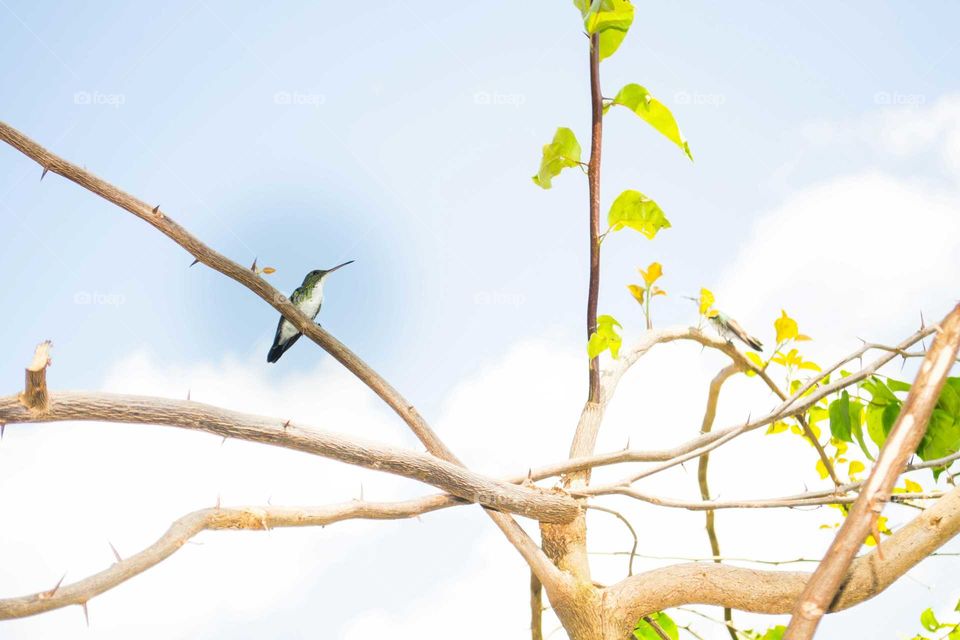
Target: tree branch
182,530
452,478
903,440
713,396
593,178
775,592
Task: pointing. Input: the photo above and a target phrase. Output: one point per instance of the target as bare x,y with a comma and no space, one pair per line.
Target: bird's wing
298,295
743,335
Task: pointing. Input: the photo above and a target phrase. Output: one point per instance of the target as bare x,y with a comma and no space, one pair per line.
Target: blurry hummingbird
729,328
307,297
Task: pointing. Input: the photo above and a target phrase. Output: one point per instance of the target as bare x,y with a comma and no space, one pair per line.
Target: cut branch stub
35,395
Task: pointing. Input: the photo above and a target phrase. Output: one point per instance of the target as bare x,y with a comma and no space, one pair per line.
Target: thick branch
903,440
452,478
776,592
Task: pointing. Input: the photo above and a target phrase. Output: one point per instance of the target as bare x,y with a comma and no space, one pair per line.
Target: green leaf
774,633
897,385
563,152
610,18
637,211
942,437
929,620
604,338
639,100
643,630
840,417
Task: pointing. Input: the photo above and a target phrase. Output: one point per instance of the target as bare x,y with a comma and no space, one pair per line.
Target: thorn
195,261
627,447
923,324
156,209
286,424
86,614
3,427
530,474
361,492
46,595
116,554
253,267
218,501
224,441
188,395
42,175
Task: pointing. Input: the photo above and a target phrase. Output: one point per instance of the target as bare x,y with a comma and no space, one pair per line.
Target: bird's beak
338,266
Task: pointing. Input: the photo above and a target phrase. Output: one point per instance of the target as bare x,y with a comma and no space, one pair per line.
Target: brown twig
536,607
713,396
35,395
593,177
903,440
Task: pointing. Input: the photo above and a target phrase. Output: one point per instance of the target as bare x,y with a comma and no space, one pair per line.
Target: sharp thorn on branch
116,554
218,501
195,261
224,441
156,209
286,424
86,614
3,427
44,174
253,267
52,592
188,395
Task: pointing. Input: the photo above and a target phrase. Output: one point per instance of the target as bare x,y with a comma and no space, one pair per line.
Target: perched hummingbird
729,328
308,297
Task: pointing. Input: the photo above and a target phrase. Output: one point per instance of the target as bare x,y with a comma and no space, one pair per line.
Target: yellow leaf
911,486
796,429
812,366
756,361
636,291
652,273
786,327
803,338
657,291
706,301
822,469
777,427
855,467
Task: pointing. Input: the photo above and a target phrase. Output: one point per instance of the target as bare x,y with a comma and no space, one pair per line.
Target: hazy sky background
403,135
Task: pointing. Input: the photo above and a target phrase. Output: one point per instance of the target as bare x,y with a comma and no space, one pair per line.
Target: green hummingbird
307,297
729,328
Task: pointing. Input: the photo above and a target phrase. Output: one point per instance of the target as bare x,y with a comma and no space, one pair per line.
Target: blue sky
404,137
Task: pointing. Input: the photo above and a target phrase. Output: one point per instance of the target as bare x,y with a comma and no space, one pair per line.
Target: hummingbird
307,298
729,328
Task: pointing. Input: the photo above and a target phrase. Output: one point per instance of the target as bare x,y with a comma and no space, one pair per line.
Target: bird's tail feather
279,349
